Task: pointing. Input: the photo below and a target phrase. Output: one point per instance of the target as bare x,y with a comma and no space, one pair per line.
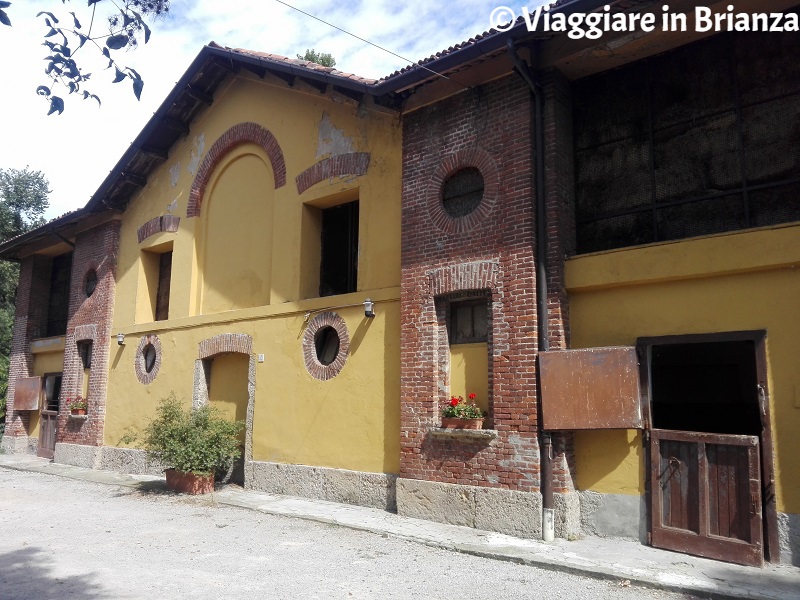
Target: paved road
68,539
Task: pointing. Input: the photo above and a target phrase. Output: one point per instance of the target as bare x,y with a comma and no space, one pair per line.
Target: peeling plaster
332,141
174,174
196,153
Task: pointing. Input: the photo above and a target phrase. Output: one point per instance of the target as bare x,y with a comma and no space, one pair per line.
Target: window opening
162,295
52,391
58,302
326,343
149,353
468,322
339,264
91,283
462,192
85,355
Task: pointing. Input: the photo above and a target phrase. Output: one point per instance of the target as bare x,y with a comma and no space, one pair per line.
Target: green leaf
49,14
138,84
56,104
115,42
133,73
50,33
4,18
77,23
4,4
83,38
120,76
96,98
146,32
43,90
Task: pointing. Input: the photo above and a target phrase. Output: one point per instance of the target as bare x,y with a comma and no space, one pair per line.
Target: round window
462,192
326,344
149,354
91,282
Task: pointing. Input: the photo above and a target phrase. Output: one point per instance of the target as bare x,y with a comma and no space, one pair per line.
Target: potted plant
460,414
191,443
77,406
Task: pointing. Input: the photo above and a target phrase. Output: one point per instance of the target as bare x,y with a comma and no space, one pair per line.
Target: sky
77,149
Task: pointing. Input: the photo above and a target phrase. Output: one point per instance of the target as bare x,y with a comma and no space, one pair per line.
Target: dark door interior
48,422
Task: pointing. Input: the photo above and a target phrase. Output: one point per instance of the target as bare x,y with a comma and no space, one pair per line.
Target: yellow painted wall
249,264
733,282
469,372
228,388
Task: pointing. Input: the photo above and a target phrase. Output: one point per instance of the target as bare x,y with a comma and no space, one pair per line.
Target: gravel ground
67,539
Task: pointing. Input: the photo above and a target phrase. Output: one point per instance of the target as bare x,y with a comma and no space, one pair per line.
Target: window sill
466,435
78,417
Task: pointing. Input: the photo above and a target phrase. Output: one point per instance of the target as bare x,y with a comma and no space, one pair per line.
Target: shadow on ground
26,574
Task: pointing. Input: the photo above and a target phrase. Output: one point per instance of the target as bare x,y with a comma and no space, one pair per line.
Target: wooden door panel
706,495
47,434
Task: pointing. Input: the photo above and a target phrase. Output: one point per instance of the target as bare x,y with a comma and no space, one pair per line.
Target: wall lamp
369,308
121,339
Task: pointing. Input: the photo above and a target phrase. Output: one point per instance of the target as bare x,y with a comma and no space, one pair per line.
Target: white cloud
77,149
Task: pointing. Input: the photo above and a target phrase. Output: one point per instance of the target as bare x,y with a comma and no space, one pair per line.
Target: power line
370,43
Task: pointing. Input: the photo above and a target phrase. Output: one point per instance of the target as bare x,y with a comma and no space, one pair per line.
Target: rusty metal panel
594,388
26,393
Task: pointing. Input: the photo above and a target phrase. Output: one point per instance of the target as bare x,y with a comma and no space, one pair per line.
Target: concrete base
789,534
492,509
20,444
613,515
568,515
78,455
376,490
107,458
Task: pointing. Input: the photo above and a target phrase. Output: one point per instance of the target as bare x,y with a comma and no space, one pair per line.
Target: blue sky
77,149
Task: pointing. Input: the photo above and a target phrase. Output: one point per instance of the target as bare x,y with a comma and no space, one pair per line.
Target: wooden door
48,417
706,495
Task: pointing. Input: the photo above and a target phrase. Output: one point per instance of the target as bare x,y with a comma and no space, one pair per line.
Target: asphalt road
67,539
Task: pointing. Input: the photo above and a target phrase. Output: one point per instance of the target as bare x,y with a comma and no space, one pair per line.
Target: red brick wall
491,257
89,320
30,321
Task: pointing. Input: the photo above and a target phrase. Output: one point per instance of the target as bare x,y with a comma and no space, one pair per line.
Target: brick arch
342,165
243,133
240,343
471,157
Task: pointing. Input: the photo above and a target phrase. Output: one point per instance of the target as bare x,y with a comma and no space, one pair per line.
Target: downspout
537,123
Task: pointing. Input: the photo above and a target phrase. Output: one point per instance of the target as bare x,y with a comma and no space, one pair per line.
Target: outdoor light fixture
121,339
369,308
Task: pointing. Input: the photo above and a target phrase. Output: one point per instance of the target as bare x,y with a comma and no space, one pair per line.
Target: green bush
190,440
2,410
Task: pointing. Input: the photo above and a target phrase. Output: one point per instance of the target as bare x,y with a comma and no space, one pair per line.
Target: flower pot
456,423
78,411
189,483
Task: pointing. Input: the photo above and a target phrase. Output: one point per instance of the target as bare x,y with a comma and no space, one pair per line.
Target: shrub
190,440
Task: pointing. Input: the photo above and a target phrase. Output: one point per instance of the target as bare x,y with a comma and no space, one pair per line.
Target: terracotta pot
456,423
78,411
189,483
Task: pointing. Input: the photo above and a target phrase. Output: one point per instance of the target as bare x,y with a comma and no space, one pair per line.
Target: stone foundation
376,490
107,458
789,536
20,444
492,509
613,515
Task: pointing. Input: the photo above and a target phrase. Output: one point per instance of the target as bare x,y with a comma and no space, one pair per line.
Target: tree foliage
324,59
23,200
64,39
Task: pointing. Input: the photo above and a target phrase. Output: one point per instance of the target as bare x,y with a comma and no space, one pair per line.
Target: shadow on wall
26,573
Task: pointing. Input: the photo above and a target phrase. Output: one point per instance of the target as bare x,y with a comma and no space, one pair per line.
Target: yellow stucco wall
733,282
469,372
249,264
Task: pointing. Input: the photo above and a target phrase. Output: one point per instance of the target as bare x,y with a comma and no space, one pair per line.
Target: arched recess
225,378
238,135
234,237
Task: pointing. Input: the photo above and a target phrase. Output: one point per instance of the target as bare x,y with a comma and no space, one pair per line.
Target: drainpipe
545,439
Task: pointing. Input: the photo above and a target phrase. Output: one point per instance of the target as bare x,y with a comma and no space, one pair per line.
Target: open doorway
228,393
711,489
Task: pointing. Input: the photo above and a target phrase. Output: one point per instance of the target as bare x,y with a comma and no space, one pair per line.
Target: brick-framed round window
90,282
147,361
463,191
326,344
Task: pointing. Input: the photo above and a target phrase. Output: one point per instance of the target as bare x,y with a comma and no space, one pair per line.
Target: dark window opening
149,354
85,353
339,265
697,143
58,303
51,390
162,295
90,285
705,387
462,192
468,322
326,344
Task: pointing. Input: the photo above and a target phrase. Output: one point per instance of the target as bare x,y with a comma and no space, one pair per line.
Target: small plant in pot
192,443
460,414
77,406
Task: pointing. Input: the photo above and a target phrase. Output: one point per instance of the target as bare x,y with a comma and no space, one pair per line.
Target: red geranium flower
472,396
453,401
